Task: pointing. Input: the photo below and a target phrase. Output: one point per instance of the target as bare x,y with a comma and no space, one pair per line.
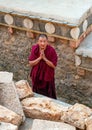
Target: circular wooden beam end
85,25
8,19
50,28
28,23
75,32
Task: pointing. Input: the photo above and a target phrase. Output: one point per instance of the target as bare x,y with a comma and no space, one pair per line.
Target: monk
43,60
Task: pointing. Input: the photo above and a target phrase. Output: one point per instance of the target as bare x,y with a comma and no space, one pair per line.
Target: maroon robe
43,75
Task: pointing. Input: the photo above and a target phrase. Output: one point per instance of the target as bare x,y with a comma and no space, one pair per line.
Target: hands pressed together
42,55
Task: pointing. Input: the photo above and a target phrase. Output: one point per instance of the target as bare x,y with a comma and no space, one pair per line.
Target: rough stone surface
42,108
10,99
7,126
50,125
76,115
24,89
9,116
88,122
89,127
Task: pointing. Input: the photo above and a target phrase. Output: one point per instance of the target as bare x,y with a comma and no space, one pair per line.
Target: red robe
43,75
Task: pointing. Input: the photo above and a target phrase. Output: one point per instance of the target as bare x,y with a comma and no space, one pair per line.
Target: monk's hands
48,62
42,55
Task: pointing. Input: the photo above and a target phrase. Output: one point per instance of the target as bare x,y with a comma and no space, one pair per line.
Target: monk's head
42,41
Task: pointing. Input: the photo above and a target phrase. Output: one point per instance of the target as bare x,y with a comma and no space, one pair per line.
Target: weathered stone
81,72
7,126
23,89
89,127
10,99
9,116
51,39
50,125
6,77
42,108
76,115
88,122
30,34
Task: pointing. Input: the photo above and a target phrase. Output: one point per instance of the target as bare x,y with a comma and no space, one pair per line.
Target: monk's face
42,42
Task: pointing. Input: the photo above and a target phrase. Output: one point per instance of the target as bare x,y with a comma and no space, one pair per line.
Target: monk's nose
42,43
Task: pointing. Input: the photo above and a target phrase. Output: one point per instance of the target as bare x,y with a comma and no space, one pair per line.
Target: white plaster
71,11
85,48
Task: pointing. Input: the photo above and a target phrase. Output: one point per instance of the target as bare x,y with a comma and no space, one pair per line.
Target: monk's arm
49,63
34,62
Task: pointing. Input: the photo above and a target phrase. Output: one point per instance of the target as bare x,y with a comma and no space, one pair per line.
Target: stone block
51,39
74,44
89,127
76,115
9,98
7,126
24,89
42,108
6,77
9,116
30,35
81,72
50,125
88,122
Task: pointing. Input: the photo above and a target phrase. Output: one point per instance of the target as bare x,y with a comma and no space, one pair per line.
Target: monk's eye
44,41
